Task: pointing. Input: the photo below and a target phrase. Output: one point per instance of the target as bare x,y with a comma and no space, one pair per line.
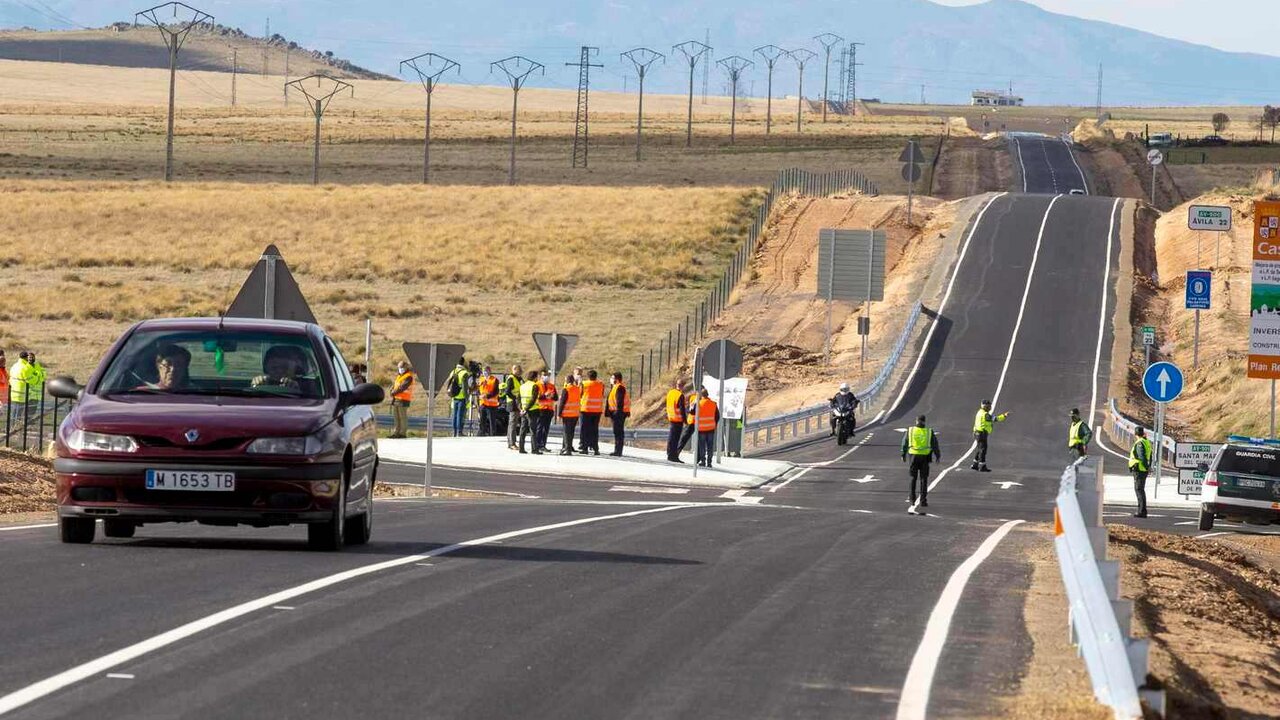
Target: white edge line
96,667
914,700
28,527
1021,164
942,306
1013,338
1102,317
1083,181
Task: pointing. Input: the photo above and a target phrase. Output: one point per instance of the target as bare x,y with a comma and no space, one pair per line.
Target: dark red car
221,421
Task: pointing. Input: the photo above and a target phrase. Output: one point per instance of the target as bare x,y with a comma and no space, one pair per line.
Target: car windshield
1250,461
215,362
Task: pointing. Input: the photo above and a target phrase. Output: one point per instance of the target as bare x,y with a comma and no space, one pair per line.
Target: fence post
40,424
642,374
8,422
649,380
26,415
671,350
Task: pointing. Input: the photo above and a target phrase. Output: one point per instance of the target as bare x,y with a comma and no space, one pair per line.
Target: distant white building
991,98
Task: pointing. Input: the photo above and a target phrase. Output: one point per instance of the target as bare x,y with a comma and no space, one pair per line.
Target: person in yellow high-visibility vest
675,419
1140,459
983,423
528,412
1079,434
921,443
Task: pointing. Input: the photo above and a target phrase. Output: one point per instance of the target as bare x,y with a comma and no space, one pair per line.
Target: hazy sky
1221,24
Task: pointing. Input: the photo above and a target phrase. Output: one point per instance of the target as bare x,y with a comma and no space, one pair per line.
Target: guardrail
1099,619
31,425
1120,427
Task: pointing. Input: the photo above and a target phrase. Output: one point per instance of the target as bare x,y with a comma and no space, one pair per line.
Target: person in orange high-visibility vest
488,391
675,418
618,409
4,383
708,420
401,397
569,411
592,407
547,396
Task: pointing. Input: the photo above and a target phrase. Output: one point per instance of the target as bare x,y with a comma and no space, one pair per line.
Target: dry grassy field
485,266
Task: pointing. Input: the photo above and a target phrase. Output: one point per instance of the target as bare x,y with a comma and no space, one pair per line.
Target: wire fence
30,422
680,339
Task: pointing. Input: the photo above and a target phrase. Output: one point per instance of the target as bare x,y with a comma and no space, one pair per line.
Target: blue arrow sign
1199,288
1162,382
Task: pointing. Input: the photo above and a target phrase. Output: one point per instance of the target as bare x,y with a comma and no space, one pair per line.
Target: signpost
911,158
432,356
1199,289
851,267
1148,339
1162,382
1155,158
1264,301
1212,218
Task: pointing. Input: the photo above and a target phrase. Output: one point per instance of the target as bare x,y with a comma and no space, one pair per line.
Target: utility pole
801,57
771,54
642,58
828,41
734,65
581,125
692,51
326,88
175,34
517,74
851,90
706,70
234,64
436,65
1099,115
266,42
286,74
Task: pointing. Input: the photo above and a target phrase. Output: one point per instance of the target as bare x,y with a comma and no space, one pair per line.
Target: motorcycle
845,425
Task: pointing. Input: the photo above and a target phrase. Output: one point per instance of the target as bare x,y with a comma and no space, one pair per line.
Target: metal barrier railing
1099,619
30,423
1120,427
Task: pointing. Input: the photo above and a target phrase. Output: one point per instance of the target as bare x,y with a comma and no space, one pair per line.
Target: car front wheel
331,534
1206,519
77,530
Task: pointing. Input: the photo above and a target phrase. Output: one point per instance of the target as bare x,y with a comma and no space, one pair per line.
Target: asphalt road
1046,164
818,596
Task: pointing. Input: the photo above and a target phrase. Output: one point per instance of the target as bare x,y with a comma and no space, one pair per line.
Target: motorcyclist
844,403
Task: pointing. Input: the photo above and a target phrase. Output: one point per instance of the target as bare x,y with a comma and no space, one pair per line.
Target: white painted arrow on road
1005,485
865,480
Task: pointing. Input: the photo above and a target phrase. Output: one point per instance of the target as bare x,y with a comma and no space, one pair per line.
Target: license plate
1250,483
199,480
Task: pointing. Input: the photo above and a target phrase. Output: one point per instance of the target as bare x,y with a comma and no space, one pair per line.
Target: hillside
123,45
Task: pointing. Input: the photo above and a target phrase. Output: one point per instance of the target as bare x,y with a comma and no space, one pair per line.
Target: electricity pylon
517,75
692,51
771,55
828,41
436,65
642,58
734,65
581,124
326,88
801,56
175,34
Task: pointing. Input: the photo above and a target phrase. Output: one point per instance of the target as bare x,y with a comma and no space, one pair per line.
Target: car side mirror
363,394
1203,467
65,388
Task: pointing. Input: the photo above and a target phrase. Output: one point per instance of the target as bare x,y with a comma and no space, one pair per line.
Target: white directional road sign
1155,157
1190,482
1148,335
1216,218
1190,455
1162,382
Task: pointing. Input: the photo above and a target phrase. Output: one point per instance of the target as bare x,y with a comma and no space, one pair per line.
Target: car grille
223,445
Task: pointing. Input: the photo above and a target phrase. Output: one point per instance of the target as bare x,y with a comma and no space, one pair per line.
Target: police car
1242,484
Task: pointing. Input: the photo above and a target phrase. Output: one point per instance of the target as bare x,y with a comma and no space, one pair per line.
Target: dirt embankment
971,165
1213,617
1219,399
26,485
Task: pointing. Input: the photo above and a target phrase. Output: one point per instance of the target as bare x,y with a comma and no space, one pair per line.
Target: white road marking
1212,534
93,668
1102,325
28,527
656,490
1018,145
1053,174
457,489
924,349
1084,183
914,700
120,676
869,478
1187,522
1006,484
1013,338
283,607
825,463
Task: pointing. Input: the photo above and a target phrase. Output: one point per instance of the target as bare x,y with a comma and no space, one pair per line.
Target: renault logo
192,435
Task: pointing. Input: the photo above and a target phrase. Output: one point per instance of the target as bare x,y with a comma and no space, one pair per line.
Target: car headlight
309,445
83,440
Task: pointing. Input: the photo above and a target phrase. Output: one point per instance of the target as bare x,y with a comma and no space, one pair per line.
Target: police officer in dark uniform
921,443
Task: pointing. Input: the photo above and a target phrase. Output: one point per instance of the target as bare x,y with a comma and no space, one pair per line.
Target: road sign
1190,455
555,349
1215,218
1148,335
864,326
712,354
1190,482
735,396
911,154
1199,287
851,264
271,292
1264,300
432,363
1162,382
912,173
1155,157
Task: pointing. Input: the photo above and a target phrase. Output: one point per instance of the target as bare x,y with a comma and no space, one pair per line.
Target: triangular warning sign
271,292
560,349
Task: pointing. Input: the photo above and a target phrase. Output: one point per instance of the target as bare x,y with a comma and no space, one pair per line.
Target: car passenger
283,365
